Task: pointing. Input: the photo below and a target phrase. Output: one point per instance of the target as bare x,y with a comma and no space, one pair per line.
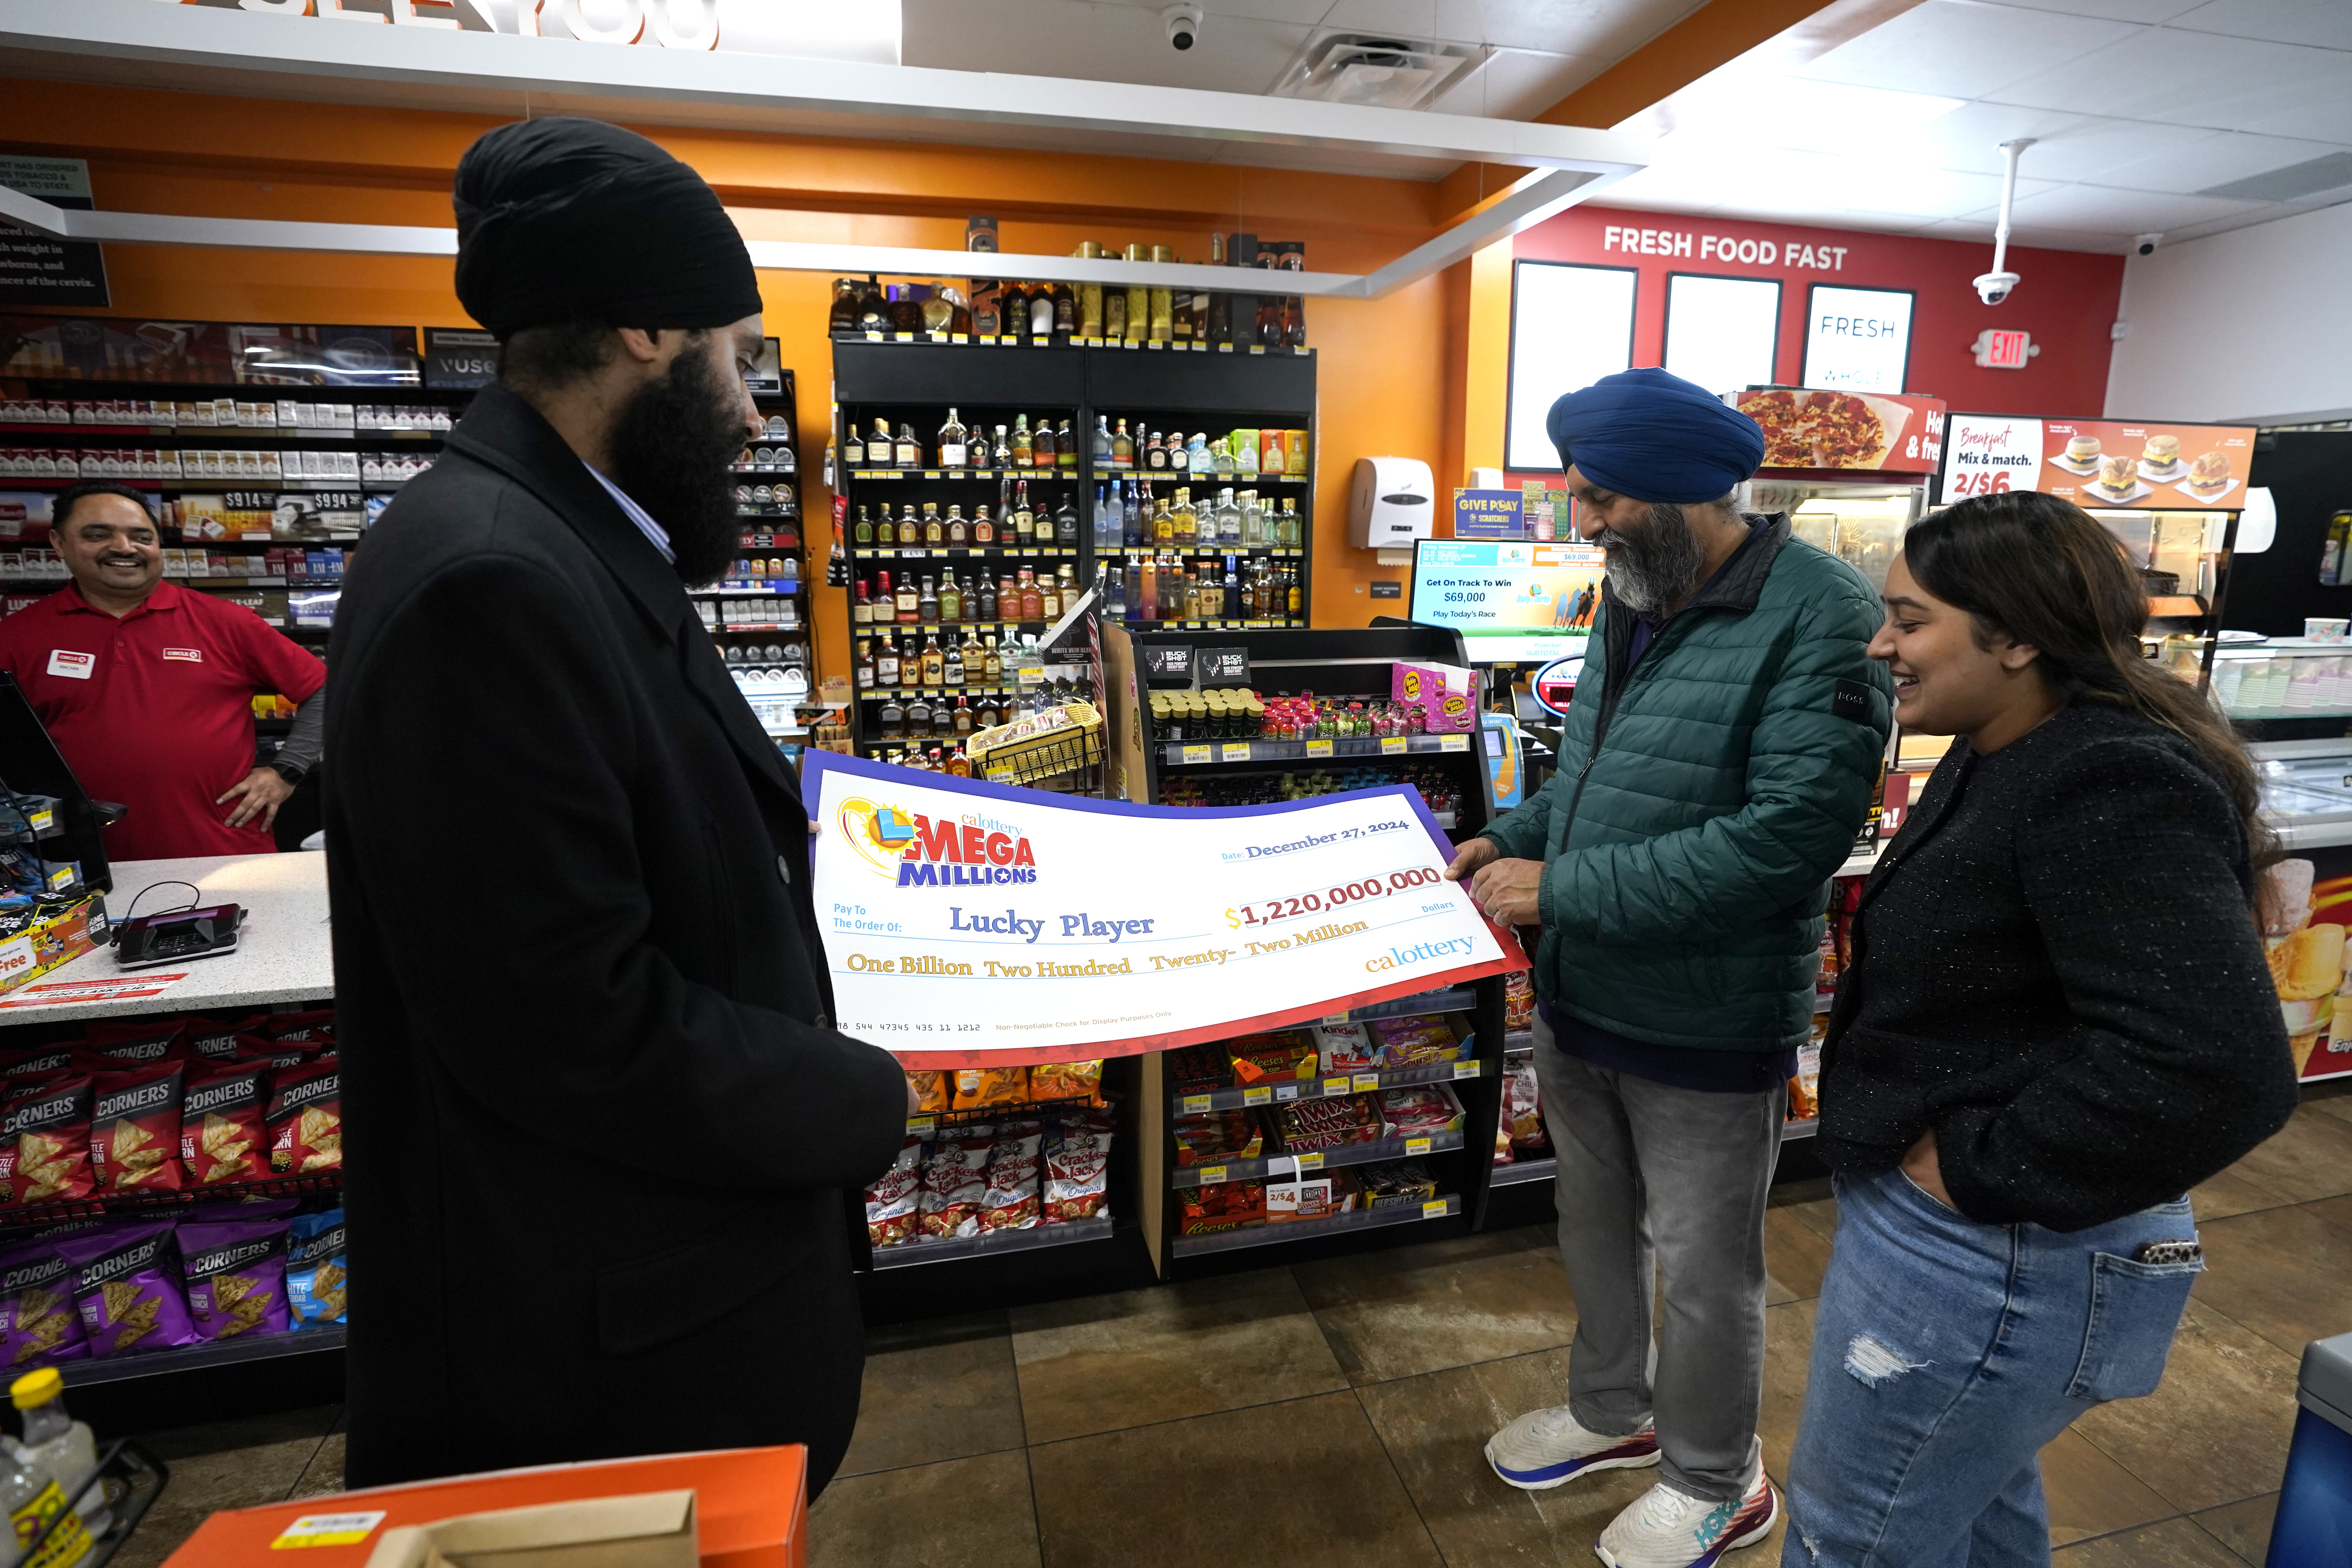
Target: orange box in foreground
749,1504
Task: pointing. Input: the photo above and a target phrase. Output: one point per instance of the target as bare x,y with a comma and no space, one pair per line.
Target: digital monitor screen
1513,601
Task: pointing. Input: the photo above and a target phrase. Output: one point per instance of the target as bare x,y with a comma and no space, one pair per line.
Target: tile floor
1332,1413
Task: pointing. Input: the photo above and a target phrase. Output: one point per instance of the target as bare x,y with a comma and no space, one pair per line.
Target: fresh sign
1857,340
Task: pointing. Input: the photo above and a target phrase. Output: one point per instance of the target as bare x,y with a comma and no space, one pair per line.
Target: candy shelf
908,1253
1185,1176
1440,1208
1518,1173
1457,1000
1194,753
1329,1088
191,1358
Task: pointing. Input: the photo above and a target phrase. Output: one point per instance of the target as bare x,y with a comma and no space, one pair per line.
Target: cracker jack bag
38,1325
1077,1172
222,1135
236,1271
304,1117
126,1283
316,1272
894,1199
45,1139
134,1132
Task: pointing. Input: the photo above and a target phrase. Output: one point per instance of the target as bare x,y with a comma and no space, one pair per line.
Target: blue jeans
1946,1353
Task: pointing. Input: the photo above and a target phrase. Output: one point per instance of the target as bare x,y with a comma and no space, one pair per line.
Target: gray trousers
1652,1175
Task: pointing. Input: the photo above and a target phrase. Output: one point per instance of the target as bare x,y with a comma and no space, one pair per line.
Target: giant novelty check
971,923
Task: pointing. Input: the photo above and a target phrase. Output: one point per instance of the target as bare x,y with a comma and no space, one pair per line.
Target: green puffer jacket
1702,805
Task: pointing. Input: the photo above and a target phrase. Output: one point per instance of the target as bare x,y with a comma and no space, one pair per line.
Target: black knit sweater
2056,967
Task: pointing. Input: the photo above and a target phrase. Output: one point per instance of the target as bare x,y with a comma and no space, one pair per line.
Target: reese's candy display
304,1117
45,1139
38,1324
316,1271
1284,1056
976,1088
1228,1205
894,1200
134,1130
126,1284
1076,1170
235,1274
222,1135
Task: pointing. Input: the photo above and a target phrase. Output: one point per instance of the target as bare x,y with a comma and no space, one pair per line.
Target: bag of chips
39,1063
1011,1201
1076,1170
303,1119
215,1039
133,1041
1522,1109
126,1283
932,1092
38,1325
235,1274
223,1137
955,1182
134,1131
45,1139
1066,1080
976,1088
316,1269
313,1028
892,1197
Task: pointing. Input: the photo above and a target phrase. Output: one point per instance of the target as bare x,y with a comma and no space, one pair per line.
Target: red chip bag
273,1054
955,1182
223,1137
215,1039
44,1140
315,1028
123,1051
40,1062
894,1199
135,1127
305,1117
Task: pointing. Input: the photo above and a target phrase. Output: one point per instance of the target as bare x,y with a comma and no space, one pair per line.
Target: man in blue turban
1715,765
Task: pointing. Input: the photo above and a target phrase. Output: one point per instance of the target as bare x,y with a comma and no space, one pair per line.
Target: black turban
562,219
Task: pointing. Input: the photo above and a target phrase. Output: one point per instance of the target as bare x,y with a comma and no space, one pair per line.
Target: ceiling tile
2102,208
1963,51
2324,115
1980,231
2191,79
1609,27
1096,42
1519,84
2147,11
2327,24
2220,157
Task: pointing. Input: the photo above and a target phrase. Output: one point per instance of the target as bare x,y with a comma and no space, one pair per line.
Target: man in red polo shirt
148,688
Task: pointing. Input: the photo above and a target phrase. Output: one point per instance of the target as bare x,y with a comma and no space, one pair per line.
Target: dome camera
2146,243
1994,287
1183,25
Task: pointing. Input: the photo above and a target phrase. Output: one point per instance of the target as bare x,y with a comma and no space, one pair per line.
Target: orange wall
1383,370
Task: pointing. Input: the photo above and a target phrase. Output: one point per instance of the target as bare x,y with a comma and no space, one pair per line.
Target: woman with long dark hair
2057,1020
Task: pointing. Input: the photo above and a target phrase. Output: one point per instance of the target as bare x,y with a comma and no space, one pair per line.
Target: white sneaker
1663,1527
1545,1448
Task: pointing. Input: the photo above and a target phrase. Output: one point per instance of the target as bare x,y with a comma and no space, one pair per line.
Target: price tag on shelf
329,1530
1365,1082
1310,1161
1435,1209
931,473
1133,345
1224,348
1260,1096
1155,344
1465,1069
939,337
1191,1104
1197,753
1288,1090
1335,1086
873,337
1257,348
1318,748
1210,1175
1416,1146
1235,751
1393,745
923,1124
913,554
1453,743
959,337
902,337
1200,348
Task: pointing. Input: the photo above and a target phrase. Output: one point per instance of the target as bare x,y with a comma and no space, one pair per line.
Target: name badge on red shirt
192,655
71,665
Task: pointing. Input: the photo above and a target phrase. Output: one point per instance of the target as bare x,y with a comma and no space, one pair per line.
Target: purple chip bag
126,1281
236,1271
38,1325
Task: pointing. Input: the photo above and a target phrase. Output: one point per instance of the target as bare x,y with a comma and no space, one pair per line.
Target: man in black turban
604,1135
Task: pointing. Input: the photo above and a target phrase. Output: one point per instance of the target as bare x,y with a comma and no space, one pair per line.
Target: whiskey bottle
873,310
1066,450
1155,452
893,719
1186,522
958,530
880,450
1113,313
1033,599
943,726
1065,310
910,601
983,527
1066,577
843,317
950,600
1013,311
906,315
1024,521
886,662
861,608
863,533
1122,447
994,671
1215,322
987,599
1065,523
935,533
1041,444
918,718
988,716
910,451
962,721
1041,313
1291,597
951,442
975,658
910,531
863,666
934,661
927,605
1163,525
885,609
1049,600
951,663
938,310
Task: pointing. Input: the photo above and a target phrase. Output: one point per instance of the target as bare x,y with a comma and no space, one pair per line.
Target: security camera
1994,287
1183,25
2146,243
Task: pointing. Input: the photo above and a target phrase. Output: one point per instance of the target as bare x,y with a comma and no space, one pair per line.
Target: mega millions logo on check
1148,927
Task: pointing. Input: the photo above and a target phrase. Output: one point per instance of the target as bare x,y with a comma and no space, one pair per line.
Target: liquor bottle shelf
1053,473
1314,1160
882,693
1138,552
962,551
1326,1088
793,468
939,1249
1219,625
876,629
1185,476
1440,1208
774,588
1193,753
191,1358
1065,341
1519,1172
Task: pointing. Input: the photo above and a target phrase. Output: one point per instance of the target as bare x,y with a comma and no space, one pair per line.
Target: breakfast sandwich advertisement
2306,901
2098,463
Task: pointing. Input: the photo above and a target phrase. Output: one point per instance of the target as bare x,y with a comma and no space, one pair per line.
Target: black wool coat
601,1134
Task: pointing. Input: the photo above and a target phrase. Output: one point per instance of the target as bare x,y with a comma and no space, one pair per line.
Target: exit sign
1997,350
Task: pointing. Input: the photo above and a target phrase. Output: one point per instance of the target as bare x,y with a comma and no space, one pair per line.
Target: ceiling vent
2330,173
1378,71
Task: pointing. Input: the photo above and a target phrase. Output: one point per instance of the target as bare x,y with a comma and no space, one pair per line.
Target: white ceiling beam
195,38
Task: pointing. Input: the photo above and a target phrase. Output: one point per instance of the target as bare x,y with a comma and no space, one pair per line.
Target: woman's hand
1926,1174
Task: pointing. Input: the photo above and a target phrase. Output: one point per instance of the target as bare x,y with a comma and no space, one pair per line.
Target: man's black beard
1657,563
670,449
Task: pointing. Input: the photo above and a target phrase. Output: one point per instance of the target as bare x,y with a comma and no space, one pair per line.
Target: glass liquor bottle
863,533
1291,597
864,664
934,661
1197,461
935,533
1041,313
987,598
1002,456
1103,539
843,317
881,451
1049,599
1253,520
1245,459
1102,441
1155,452
1233,606
1066,449
893,719
1221,458
958,530
1024,521
951,663
1291,536
1065,310
1065,523
1113,313
927,605
885,609
1147,590
987,716
906,315
1186,522
1163,524
910,531
886,662
861,608
1041,444
951,442
975,658
910,600
1134,513
1024,451
918,718
1228,519
1013,311
873,310
939,311
983,527
1066,577
1033,599
994,673
962,721
908,451
1122,447
950,600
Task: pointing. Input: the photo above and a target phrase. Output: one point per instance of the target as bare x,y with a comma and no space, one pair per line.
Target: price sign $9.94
1272,912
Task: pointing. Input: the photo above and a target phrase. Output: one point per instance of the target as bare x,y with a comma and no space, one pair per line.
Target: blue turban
1655,436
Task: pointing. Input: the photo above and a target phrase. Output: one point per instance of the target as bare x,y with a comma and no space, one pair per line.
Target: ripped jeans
1946,1353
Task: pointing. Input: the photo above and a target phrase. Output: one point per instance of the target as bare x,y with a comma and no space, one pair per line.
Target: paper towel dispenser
1394,502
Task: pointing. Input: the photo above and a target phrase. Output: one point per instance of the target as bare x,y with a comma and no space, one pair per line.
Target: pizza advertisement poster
2099,463
1815,430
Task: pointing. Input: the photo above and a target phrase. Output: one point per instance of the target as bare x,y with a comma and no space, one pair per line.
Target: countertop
283,953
